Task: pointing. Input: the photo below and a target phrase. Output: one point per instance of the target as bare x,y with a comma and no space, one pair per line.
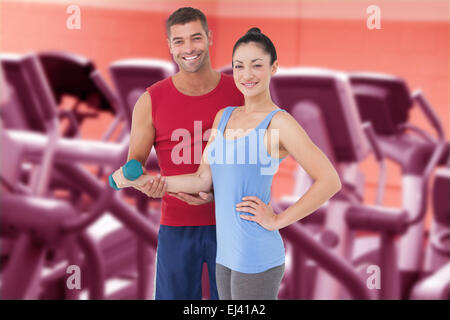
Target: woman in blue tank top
244,150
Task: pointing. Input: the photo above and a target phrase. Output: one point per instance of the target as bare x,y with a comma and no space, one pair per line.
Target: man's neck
197,82
199,78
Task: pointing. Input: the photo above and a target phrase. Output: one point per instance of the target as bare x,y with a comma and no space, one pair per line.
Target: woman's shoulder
283,120
281,115
219,115
221,111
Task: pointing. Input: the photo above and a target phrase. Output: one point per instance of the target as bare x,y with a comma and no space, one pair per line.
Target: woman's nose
247,74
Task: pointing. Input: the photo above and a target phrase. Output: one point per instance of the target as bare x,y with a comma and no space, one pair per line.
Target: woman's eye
257,65
238,67
198,38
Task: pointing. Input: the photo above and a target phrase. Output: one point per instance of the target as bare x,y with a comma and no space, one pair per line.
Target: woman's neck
257,103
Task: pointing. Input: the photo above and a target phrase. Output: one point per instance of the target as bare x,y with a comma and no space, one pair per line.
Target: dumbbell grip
131,183
131,171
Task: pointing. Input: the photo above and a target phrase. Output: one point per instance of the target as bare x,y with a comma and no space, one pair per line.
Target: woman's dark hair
185,15
254,35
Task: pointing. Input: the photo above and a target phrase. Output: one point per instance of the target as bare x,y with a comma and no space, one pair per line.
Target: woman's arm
294,140
201,180
190,183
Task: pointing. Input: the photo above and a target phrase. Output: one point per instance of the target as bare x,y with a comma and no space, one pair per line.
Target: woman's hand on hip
261,213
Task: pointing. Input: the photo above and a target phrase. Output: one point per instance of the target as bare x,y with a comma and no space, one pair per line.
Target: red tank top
180,123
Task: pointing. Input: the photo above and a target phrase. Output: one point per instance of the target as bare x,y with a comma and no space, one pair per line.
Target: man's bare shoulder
144,102
145,98
143,107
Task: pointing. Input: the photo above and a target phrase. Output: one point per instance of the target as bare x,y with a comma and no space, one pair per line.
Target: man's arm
142,134
142,137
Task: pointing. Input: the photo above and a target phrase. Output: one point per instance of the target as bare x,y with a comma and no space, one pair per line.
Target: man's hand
155,187
195,200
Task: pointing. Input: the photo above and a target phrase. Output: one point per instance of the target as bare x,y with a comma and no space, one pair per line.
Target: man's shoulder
159,84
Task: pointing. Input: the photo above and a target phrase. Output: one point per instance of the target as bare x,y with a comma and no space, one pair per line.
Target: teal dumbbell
131,170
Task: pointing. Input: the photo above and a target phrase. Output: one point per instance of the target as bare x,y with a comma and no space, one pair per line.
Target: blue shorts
180,255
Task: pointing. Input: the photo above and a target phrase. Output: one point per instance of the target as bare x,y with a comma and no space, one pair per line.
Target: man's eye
177,42
257,65
238,67
198,38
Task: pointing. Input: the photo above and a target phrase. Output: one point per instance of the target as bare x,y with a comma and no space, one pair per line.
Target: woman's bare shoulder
282,119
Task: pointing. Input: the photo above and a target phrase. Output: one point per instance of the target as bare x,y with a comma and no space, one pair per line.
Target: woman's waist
227,195
239,241
231,225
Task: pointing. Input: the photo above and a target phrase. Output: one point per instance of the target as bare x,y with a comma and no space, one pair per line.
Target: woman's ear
274,67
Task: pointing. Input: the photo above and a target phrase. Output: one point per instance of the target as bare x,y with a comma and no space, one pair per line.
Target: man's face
188,44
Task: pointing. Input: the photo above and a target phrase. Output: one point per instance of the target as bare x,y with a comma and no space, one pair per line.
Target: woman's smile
250,85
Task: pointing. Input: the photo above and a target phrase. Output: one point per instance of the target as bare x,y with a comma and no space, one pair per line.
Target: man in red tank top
175,115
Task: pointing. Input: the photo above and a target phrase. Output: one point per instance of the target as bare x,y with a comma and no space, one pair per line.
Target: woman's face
252,69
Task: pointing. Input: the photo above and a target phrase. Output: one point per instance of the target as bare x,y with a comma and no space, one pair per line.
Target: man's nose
188,47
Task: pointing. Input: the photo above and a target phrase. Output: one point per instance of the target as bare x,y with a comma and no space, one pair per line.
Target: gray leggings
234,285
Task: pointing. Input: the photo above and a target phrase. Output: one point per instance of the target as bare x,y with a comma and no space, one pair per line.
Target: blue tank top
243,167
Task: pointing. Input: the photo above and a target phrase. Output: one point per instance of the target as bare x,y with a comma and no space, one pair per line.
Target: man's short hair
185,15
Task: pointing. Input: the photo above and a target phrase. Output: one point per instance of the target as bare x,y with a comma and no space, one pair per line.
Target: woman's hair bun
254,35
254,29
